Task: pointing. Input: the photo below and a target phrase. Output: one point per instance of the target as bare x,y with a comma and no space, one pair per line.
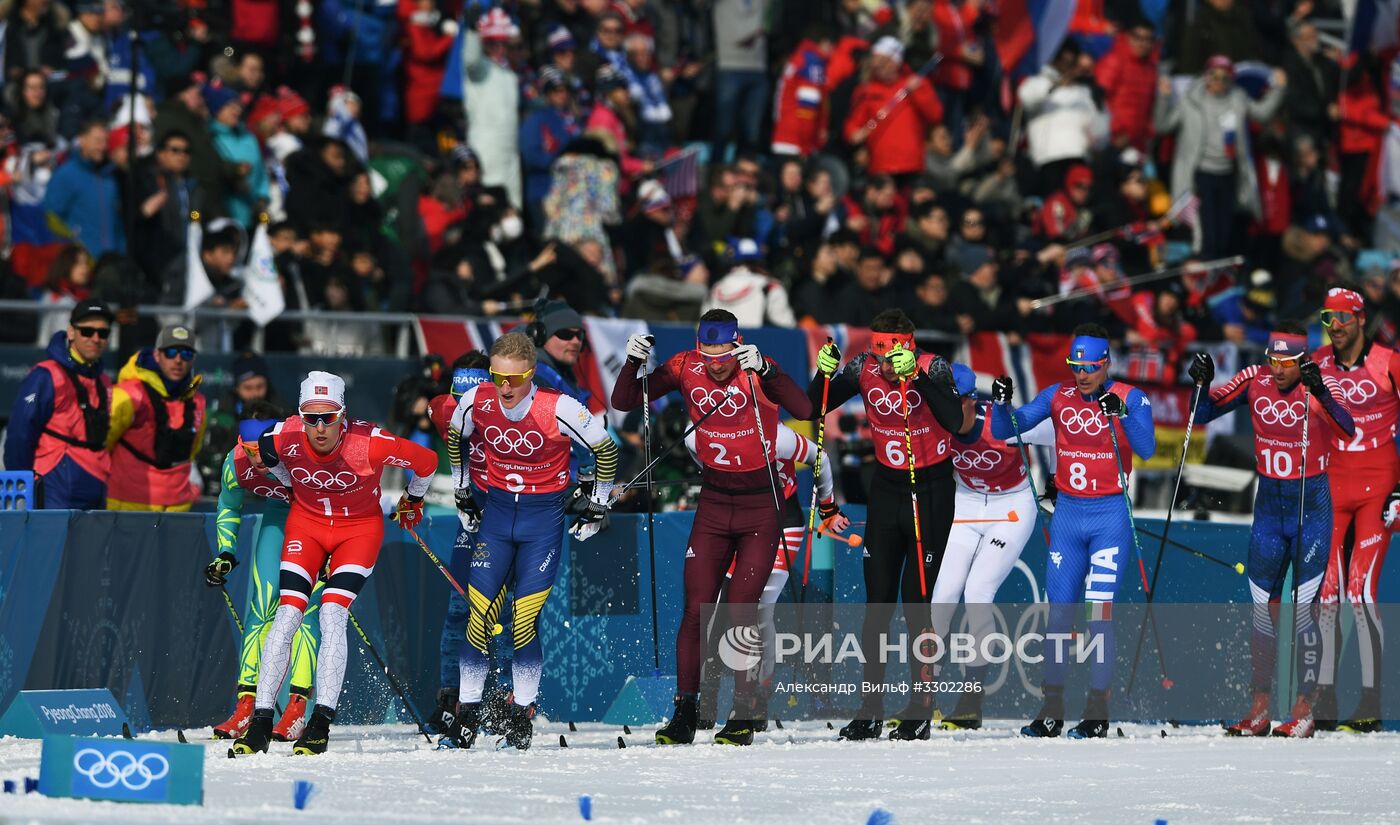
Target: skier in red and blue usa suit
1291,449
1092,531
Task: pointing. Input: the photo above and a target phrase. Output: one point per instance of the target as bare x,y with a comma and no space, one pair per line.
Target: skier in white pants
982,550
792,449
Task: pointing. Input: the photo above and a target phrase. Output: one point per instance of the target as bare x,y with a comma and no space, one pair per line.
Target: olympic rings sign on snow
325,479
974,460
891,402
105,770
1284,413
728,404
1358,392
512,441
1086,421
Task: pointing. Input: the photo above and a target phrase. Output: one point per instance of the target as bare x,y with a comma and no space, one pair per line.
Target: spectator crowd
793,161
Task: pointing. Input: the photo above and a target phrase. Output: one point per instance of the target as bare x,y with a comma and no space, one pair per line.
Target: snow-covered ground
799,775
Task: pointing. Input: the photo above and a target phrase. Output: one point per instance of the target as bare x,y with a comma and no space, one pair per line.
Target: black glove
1001,390
267,449
1312,378
1202,369
469,512
592,520
1112,405
217,572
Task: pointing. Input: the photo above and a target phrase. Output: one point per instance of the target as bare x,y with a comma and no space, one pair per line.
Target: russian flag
1029,31
1372,25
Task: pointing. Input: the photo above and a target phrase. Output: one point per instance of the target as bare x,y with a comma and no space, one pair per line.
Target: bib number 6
895,454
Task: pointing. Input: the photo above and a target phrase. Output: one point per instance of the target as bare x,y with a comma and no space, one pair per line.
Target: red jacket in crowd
954,22
1275,196
877,229
255,22
1130,86
426,47
800,106
897,143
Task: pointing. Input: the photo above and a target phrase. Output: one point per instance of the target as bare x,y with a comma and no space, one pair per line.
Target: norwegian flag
680,173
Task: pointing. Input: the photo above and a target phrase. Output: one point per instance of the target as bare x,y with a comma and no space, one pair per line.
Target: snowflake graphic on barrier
576,648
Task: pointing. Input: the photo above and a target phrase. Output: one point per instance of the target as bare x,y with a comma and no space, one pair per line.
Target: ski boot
1095,723
317,735
743,722
462,726
495,711
967,715
520,726
237,724
859,730
681,729
1367,716
1049,722
915,722
258,735
293,722
1324,707
1301,725
1256,722
707,706
445,712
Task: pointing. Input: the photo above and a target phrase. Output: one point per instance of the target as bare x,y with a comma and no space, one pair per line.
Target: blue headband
250,429
465,379
1088,348
965,381
717,332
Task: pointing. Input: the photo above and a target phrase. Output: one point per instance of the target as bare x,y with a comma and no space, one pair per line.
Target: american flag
680,173
1185,210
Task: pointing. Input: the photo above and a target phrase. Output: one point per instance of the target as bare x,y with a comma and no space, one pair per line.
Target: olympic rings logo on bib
325,479
106,770
973,460
729,404
513,441
1358,392
1284,413
276,491
1087,422
891,402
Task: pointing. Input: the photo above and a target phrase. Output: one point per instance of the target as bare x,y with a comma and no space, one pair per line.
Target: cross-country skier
992,485
244,473
923,418
1091,534
1364,474
792,450
736,518
333,466
468,370
1292,527
526,431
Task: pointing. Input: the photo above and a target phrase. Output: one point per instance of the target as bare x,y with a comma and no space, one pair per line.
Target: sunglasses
250,449
1337,316
721,358
1284,362
323,419
101,332
512,379
183,353
1085,366
569,334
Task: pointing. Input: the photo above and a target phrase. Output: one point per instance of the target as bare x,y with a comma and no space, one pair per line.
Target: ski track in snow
389,774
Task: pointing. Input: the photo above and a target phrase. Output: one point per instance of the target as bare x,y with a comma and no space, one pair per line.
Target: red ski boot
293,722
237,724
1256,723
1301,726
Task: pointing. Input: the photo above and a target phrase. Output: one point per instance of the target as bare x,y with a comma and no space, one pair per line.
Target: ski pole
656,459
816,473
1298,544
1146,277
1238,567
769,454
1162,548
651,519
442,568
393,683
913,489
232,611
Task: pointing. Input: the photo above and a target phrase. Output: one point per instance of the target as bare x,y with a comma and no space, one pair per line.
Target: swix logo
1370,540
395,461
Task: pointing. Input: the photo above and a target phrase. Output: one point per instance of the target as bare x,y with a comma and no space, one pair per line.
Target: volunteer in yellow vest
157,426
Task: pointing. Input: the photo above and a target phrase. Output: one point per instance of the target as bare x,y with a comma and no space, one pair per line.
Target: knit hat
217,96
1078,175
557,315
263,108
1220,62
322,387
609,78
972,257
290,104
550,79
652,195
889,47
496,26
462,154
744,250
560,39
248,365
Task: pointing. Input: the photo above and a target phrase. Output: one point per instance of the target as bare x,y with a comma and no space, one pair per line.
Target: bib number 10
1277,463
1079,477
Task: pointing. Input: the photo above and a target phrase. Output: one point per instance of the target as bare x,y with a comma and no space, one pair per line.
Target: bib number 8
1078,476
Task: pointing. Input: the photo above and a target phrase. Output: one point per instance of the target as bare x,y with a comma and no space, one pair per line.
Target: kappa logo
1056,558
